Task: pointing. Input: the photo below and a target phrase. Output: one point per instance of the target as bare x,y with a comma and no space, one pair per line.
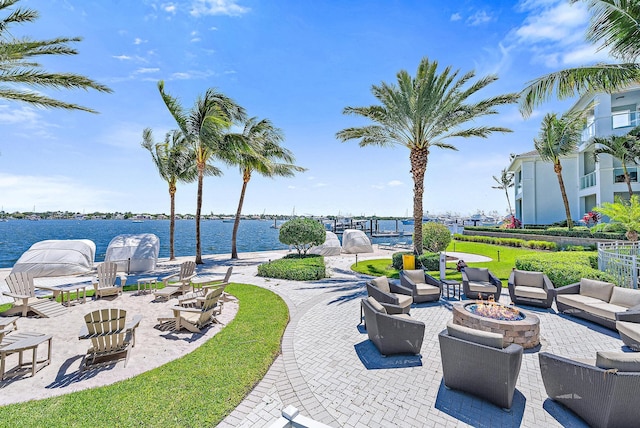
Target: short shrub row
428,261
577,232
295,268
509,242
564,268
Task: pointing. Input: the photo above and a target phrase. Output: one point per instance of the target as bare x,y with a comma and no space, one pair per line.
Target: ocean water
16,236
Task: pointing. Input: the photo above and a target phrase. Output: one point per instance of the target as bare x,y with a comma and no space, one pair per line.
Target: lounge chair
424,287
194,319
196,297
530,288
182,282
388,292
111,336
20,342
104,283
480,283
477,362
23,292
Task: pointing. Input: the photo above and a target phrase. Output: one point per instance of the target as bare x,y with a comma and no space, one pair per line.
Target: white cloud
139,41
394,183
181,76
23,115
456,17
169,8
217,7
195,40
147,70
122,57
480,17
213,29
320,185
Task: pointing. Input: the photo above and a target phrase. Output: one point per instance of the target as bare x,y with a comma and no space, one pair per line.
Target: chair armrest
397,288
548,285
188,278
494,280
123,279
632,315
392,309
15,296
406,282
569,289
167,278
380,295
464,276
133,324
183,309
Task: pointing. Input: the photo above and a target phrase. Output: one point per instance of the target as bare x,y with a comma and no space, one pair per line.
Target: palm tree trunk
506,192
236,223
627,179
172,221
418,158
198,211
558,170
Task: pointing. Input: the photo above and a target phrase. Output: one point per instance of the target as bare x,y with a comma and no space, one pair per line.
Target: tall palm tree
558,137
203,127
422,113
614,24
265,156
505,182
18,67
174,161
625,148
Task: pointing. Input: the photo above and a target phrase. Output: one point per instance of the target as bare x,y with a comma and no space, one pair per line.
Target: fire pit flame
496,311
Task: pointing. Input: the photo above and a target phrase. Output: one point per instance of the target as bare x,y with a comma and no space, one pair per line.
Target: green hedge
295,268
575,233
564,268
429,261
509,242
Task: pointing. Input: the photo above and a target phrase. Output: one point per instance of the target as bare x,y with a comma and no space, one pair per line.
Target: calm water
16,236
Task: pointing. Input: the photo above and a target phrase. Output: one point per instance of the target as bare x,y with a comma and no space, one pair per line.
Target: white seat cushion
426,289
482,287
530,292
577,300
404,300
605,310
626,297
630,329
382,283
529,279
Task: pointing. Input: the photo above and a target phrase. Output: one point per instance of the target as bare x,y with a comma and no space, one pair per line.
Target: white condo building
588,183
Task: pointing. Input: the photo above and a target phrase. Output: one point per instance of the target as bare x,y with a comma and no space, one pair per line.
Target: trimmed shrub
435,237
594,232
429,261
302,234
295,268
541,245
563,268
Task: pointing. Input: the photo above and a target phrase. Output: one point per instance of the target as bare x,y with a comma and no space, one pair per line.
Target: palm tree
203,127
625,148
422,113
505,182
558,137
19,69
266,157
174,161
625,213
614,23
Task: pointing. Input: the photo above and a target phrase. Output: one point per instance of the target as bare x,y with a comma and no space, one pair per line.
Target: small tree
302,233
625,213
435,237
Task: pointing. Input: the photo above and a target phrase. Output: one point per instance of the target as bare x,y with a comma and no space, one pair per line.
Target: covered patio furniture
356,242
178,282
19,342
604,394
392,333
134,253
195,319
112,337
196,297
423,286
330,247
530,288
57,257
22,290
390,293
477,362
104,283
480,283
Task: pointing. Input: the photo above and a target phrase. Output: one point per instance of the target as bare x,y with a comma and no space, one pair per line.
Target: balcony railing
588,180
588,132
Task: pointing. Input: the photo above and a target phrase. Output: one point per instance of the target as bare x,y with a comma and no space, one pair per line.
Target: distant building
588,183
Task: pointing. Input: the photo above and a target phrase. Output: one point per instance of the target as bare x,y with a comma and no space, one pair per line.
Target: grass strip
198,389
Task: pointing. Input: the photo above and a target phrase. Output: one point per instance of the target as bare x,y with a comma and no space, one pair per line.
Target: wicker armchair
530,288
392,334
628,325
474,361
423,286
605,396
390,293
480,283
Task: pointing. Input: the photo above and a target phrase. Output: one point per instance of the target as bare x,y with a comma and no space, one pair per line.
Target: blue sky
297,63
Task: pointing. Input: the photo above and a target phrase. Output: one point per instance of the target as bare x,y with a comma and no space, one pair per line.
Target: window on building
618,175
622,117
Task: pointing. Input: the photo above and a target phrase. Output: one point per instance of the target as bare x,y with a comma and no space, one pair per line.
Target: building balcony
588,180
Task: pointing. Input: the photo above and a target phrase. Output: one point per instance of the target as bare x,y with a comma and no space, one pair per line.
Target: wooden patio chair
194,319
112,337
181,284
104,283
196,297
22,290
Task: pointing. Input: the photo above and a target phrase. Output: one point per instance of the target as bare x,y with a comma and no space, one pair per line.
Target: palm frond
39,100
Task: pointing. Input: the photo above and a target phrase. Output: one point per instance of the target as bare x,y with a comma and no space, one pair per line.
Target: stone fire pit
524,332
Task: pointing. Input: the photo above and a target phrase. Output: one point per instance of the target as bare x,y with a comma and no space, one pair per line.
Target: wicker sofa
628,325
530,288
387,292
423,286
475,361
392,334
604,394
480,283
597,301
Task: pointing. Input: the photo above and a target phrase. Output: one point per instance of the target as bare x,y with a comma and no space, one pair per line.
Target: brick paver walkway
332,373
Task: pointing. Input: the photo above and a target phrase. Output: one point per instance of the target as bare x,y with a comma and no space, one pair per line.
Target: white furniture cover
356,241
331,246
134,253
57,258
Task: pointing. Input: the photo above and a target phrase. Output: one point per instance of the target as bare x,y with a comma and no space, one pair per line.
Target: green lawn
199,389
503,260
